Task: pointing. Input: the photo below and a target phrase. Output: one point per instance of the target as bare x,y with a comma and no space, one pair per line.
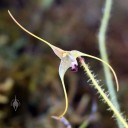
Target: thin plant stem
84,124
103,53
103,95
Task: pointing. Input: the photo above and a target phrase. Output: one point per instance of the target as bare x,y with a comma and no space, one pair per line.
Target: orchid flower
68,60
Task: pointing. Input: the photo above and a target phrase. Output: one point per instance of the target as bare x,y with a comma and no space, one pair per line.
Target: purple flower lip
74,68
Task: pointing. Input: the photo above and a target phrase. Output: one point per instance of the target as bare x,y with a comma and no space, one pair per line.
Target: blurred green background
29,68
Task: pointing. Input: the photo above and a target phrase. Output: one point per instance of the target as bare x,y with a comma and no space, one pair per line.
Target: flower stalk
102,93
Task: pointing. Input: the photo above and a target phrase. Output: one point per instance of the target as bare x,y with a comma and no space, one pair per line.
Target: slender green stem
84,124
104,96
103,52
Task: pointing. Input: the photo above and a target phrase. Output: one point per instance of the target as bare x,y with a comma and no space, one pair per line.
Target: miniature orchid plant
68,59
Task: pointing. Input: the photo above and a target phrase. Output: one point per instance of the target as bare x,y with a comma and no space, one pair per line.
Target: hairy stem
104,96
103,52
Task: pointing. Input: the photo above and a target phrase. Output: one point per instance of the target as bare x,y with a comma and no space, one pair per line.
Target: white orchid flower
68,60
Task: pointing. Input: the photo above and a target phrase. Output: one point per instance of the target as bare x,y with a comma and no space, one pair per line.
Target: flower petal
78,54
59,52
67,61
